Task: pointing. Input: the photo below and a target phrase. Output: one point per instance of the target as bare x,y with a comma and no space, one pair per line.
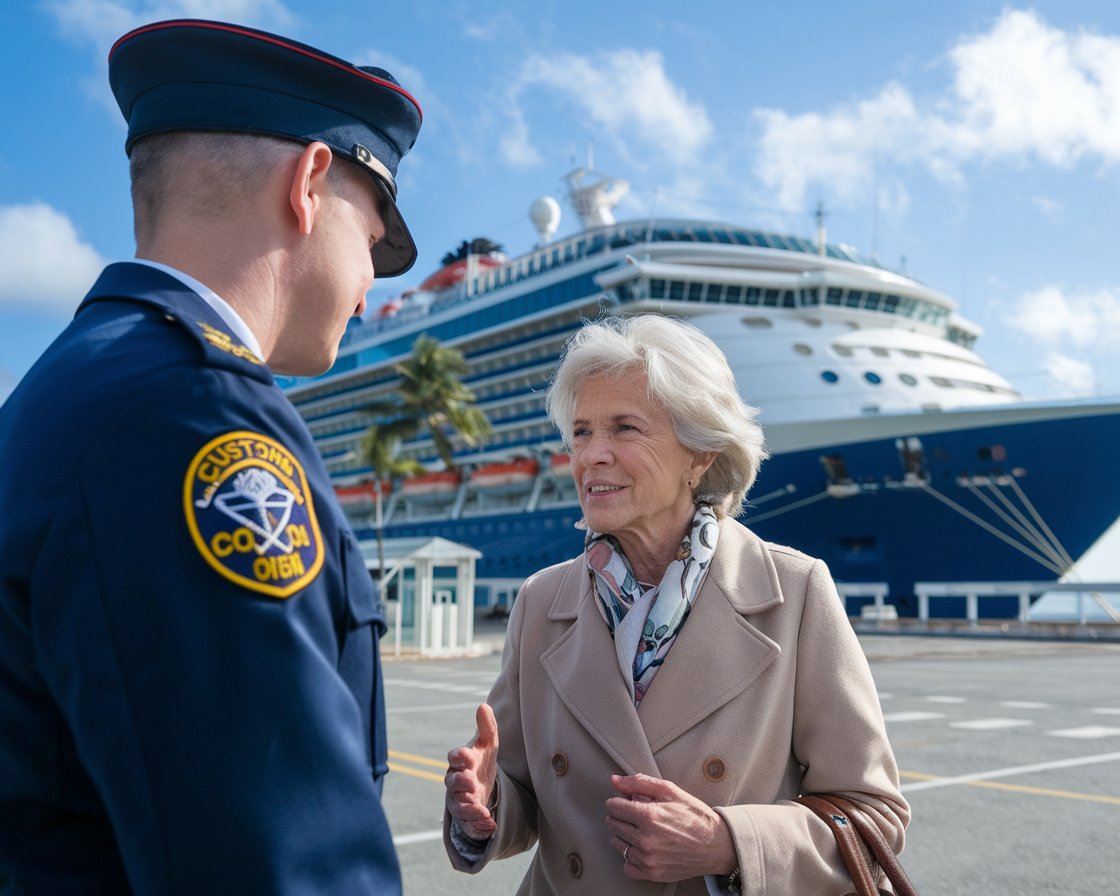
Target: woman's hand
472,775
671,834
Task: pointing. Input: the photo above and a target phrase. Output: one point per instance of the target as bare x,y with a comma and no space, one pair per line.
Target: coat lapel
582,667
718,653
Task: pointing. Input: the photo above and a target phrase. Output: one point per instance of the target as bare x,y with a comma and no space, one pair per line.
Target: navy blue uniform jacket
190,689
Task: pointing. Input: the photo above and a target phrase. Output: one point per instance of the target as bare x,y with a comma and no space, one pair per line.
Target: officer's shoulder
171,331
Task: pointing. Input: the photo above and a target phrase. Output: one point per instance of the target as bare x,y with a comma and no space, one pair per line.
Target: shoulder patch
250,513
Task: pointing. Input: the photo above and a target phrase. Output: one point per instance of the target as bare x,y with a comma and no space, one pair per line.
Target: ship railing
1087,594
497,595
878,610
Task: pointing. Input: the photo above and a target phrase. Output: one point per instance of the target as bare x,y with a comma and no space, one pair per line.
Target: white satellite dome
545,215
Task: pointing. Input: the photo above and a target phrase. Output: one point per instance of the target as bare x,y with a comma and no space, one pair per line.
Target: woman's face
631,472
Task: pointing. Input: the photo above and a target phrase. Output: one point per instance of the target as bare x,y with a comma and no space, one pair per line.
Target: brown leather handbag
856,834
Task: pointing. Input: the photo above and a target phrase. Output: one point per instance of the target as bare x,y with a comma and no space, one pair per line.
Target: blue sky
971,143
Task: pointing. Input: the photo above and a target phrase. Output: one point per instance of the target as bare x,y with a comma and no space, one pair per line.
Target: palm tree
380,449
431,396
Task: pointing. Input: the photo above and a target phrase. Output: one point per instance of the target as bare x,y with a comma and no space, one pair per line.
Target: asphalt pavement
1008,749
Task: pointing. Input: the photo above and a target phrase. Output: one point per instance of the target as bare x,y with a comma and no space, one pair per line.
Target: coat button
714,768
559,763
575,864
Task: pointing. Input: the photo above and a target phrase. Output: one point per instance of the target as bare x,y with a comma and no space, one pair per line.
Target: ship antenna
822,233
593,203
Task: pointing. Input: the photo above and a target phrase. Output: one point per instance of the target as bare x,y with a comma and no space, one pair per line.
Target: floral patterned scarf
644,625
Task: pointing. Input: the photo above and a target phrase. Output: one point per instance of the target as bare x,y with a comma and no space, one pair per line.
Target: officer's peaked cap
195,75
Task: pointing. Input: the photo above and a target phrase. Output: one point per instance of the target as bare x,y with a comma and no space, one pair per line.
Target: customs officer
190,689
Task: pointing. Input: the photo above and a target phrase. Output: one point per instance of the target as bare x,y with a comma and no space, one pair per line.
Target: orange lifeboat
443,482
361,494
456,272
518,471
560,465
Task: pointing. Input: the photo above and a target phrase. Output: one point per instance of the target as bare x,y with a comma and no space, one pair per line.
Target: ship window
830,376
757,323
873,299
753,293
854,297
788,299
941,381
890,304
695,291
676,290
872,378
802,349
770,299
734,295
657,289
910,353
842,351
908,379
834,295
810,296
879,351
813,322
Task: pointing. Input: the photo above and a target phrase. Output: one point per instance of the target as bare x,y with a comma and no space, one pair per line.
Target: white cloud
515,144
840,149
43,261
627,98
1052,317
1028,88
1021,90
1071,375
1050,208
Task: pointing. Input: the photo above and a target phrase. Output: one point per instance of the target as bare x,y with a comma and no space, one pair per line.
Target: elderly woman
665,696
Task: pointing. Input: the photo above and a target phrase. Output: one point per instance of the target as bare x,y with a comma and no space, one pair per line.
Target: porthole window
830,376
878,351
842,351
802,349
908,379
758,323
872,378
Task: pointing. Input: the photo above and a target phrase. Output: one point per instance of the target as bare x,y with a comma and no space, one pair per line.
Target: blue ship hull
982,506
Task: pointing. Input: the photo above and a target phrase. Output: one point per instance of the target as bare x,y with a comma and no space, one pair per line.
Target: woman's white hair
689,376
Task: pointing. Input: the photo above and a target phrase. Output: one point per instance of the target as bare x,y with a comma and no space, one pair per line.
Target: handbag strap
874,838
848,839
854,832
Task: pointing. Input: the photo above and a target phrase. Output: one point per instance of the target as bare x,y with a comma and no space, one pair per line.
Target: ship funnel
545,215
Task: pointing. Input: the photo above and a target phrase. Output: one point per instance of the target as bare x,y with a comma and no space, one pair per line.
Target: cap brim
396,252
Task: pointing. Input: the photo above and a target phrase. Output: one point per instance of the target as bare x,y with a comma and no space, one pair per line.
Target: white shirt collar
221,307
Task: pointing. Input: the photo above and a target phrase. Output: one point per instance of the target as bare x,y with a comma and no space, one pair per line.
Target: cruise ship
898,454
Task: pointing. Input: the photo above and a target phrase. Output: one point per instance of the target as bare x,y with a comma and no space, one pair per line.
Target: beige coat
765,695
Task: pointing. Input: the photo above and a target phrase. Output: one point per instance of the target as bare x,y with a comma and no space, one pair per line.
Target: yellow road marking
415,772
419,760
1023,788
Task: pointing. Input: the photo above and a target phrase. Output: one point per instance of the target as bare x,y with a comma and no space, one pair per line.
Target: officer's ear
309,184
